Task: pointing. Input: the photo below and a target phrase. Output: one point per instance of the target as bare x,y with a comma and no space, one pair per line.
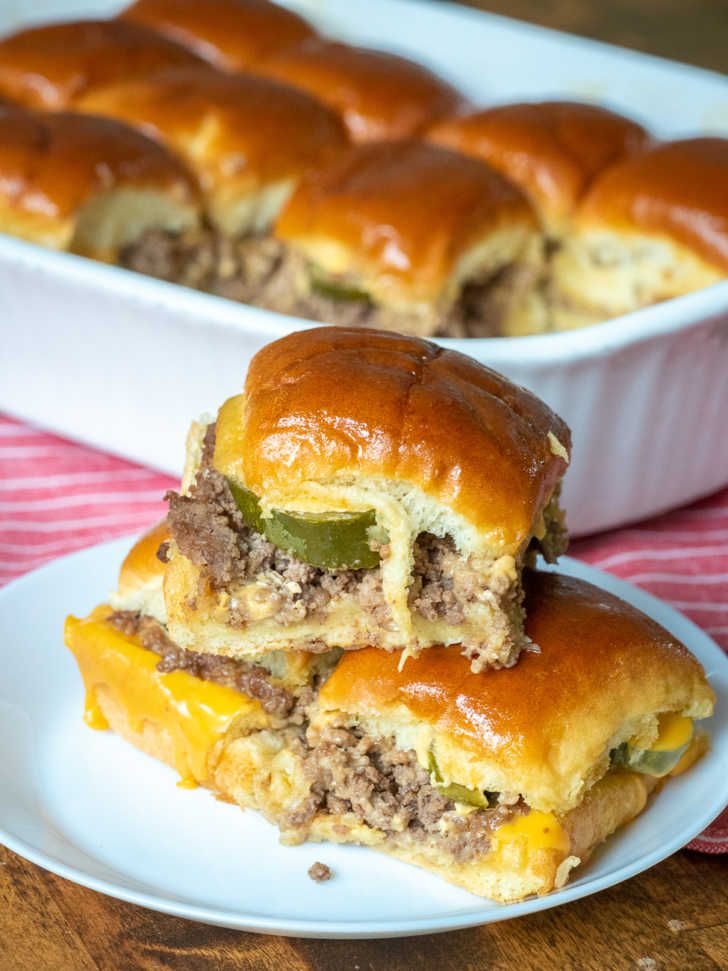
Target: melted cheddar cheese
192,714
695,751
540,831
674,731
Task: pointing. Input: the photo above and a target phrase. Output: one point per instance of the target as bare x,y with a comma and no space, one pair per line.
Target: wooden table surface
672,917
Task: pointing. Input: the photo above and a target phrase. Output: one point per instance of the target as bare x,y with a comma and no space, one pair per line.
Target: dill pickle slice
471,797
330,540
337,291
248,505
648,761
458,793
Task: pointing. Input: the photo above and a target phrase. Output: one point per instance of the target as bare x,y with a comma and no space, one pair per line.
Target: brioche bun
544,728
653,227
406,222
553,150
49,67
89,185
479,456
379,95
247,139
232,34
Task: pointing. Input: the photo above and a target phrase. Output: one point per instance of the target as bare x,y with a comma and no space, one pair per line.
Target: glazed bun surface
333,404
248,139
49,67
87,184
233,34
653,227
544,727
141,564
406,221
379,95
141,576
678,190
553,149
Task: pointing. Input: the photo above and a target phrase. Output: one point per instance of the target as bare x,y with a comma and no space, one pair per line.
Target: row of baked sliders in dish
343,185
342,625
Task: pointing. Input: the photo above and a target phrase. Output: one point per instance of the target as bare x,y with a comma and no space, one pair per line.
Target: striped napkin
57,496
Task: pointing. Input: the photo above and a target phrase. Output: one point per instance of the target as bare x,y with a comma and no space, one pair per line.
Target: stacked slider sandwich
340,626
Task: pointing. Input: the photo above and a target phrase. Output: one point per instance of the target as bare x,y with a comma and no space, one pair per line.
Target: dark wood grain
673,917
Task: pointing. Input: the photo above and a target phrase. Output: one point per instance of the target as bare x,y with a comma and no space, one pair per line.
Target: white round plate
89,807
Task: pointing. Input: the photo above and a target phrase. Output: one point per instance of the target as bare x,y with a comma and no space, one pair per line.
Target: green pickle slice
648,761
458,793
248,505
337,291
330,540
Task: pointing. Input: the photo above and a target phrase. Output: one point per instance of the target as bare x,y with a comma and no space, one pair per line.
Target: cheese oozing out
194,715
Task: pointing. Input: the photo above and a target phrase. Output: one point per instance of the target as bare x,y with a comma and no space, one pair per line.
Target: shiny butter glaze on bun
379,95
248,139
678,190
545,727
141,564
406,221
331,403
552,149
88,184
232,34
652,227
49,67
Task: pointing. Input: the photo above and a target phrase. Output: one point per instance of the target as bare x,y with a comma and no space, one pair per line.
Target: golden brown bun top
379,95
141,563
601,662
233,34
403,211
49,67
678,189
51,164
226,125
553,149
332,401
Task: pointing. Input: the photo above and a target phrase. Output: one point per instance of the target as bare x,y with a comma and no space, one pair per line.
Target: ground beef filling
444,584
209,530
250,679
263,271
320,872
386,788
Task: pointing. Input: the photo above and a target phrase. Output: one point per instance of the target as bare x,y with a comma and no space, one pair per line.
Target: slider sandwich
366,488
554,151
51,66
231,34
500,782
379,95
88,185
248,140
653,227
177,705
407,236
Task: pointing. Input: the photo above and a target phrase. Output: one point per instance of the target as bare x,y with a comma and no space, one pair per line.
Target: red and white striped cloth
57,496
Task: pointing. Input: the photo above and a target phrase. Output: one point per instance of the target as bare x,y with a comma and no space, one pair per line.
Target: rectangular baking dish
124,362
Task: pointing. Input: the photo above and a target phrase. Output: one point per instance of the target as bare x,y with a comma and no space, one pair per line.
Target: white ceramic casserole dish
124,362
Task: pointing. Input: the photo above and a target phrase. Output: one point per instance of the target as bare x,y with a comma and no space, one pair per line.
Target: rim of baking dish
203,309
